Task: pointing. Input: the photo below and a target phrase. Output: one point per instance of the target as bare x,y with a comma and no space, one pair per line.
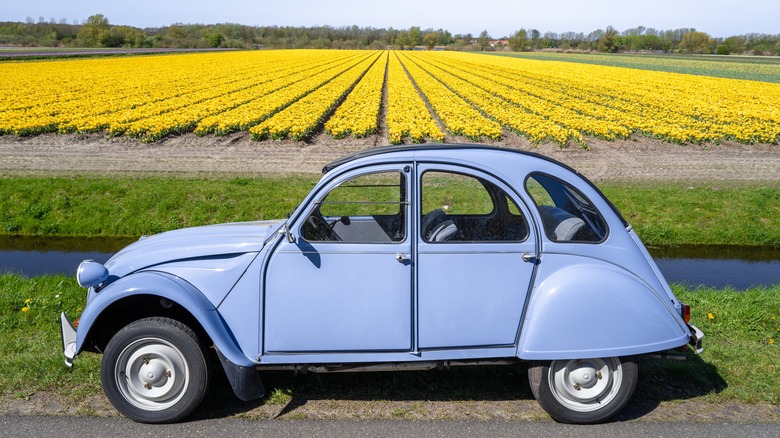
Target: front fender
587,308
165,286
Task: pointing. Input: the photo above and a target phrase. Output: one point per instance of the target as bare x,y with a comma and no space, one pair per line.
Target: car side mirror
286,231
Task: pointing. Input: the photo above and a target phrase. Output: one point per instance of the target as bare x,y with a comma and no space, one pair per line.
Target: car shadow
664,380
659,380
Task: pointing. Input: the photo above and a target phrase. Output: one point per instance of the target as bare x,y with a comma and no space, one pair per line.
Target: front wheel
154,370
583,391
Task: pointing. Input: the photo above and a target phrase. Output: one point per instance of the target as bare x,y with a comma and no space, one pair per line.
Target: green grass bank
670,213
741,361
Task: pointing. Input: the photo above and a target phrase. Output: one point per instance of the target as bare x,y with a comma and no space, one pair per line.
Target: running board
393,366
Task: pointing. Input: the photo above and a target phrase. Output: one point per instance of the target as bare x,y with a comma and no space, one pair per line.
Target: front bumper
696,338
68,334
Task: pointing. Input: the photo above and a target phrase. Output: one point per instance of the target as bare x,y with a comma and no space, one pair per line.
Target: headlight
91,273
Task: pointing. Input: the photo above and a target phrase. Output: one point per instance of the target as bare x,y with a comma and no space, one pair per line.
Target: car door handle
401,258
528,257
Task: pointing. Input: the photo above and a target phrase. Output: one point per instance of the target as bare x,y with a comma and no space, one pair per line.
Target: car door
345,283
476,254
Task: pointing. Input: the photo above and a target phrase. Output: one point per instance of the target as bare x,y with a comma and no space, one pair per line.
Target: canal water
714,266
739,267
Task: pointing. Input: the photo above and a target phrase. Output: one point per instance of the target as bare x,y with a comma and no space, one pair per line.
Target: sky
719,18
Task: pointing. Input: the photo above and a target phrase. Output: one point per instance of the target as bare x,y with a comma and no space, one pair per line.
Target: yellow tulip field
409,97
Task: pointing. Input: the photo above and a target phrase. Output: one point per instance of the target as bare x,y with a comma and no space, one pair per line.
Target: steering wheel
323,228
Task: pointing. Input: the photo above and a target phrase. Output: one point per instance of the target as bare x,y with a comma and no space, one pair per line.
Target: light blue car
401,258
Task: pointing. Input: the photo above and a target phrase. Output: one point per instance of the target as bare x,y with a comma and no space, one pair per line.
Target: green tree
734,44
652,42
402,39
215,39
535,39
430,39
124,36
415,36
175,35
95,32
696,42
518,40
607,40
550,39
483,40
445,37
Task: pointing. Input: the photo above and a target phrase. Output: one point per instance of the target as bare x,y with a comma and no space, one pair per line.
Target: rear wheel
583,391
154,370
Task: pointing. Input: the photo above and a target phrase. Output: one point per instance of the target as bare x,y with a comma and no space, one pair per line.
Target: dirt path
237,154
341,409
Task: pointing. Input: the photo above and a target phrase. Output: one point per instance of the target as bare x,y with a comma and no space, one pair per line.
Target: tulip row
277,97
147,97
182,112
359,113
515,117
611,102
51,95
458,116
407,116
300,119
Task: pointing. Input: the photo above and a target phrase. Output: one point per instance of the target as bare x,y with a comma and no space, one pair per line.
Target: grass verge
702,213
117,207
741,361
673,213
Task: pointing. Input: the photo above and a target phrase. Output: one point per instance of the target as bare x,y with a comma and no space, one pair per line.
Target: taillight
686,313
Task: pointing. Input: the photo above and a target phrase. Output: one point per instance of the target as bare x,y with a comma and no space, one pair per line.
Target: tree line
96,31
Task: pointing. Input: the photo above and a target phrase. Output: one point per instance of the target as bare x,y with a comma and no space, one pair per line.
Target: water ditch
739,267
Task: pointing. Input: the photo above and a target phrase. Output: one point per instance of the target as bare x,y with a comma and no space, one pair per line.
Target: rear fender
176,290
587,308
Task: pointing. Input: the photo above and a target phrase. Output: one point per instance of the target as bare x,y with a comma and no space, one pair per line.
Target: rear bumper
68,334
696,338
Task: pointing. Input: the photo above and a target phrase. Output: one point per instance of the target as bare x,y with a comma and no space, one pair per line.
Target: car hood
191,243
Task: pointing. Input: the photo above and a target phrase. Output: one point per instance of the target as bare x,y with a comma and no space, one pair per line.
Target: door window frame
477,174
405,173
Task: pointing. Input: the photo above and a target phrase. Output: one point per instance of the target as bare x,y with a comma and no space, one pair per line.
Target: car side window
369,208
458,207
567,215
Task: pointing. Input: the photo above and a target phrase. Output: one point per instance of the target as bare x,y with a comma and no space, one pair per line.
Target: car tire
154,370
583,391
